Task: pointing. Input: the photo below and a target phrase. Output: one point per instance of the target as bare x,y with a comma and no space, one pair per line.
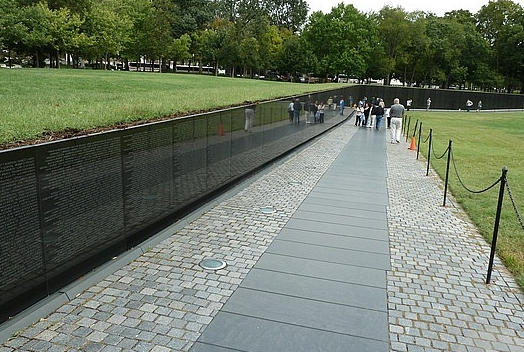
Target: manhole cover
213,264
267,210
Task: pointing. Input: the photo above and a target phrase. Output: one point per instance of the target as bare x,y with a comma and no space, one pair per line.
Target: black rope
462,183
425,140
433,150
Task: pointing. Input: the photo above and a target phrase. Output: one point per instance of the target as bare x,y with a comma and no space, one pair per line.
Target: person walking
479,106
397,113
342,103
290,111
428,104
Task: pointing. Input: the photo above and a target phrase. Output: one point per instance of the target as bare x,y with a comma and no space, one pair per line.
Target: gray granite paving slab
234,332
366,191
320,209
309,313
367,231
330,254
326,270
337,241
355,196
359,164
351,182
345,219
318,289
334,204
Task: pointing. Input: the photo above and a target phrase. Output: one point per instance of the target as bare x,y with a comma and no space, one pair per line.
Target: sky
438,7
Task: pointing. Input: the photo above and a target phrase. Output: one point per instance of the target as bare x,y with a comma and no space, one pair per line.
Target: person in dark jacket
378,111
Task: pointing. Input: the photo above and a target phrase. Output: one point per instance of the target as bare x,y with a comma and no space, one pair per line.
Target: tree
290,14
191,16
296,58
12,29
474,54
179,50
109,29
341,40
496,21
395,31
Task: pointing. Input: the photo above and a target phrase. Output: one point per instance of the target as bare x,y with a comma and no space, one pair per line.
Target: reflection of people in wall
469,104
297,107
330,104
479,105
428,104
250,116
408,104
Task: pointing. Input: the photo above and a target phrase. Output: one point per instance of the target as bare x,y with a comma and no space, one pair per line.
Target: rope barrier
465,187
435,155
514,205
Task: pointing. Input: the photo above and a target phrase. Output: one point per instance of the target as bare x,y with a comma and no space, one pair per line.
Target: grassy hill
45,101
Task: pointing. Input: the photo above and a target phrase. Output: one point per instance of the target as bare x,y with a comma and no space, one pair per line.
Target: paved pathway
163,301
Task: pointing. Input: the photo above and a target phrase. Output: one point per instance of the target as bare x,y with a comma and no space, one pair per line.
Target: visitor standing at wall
379,113
469,104
321,112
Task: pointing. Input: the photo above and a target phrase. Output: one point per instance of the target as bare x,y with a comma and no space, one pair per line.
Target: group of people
370,114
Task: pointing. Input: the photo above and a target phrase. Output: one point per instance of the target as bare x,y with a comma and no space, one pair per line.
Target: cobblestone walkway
163,300
438,299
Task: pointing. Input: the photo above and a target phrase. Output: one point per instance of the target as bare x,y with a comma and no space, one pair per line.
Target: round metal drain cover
213,264
267,210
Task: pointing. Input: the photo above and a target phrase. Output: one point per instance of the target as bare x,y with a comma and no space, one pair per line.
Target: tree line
483,50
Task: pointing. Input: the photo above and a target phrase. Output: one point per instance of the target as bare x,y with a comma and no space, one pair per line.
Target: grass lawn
482,144
37,100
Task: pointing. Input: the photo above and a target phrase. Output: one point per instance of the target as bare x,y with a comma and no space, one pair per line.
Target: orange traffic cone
413,145
221,130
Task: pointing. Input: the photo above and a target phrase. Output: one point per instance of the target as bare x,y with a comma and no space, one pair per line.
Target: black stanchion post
415,128
418,142
429,149
407,130
497,221
447,174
